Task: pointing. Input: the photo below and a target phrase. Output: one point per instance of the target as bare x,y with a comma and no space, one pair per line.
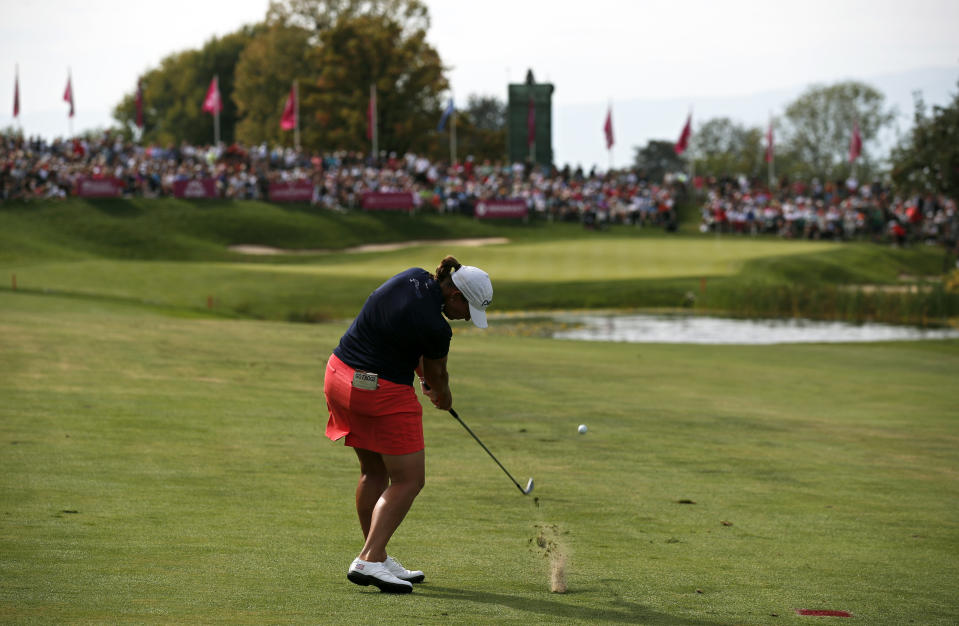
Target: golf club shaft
529,487
457,418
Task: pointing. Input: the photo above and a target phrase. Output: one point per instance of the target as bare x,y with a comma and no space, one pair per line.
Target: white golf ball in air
582,429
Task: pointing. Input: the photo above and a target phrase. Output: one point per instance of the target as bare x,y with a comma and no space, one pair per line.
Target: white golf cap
476,287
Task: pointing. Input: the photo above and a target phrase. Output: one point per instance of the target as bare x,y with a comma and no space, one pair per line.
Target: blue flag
446,115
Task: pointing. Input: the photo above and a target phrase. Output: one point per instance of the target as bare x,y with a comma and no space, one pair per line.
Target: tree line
811,139
335,49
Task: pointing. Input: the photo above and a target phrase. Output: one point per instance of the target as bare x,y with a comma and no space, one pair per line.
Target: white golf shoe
395,568
367,573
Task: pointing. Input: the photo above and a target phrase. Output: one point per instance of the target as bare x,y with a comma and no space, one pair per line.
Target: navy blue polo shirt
401,321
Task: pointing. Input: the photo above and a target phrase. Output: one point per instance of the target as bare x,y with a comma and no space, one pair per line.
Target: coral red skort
388,419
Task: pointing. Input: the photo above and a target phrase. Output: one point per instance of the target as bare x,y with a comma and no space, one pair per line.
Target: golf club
529,485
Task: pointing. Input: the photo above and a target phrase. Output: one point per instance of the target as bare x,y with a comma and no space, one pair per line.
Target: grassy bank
184,230
158,470
175,255
859,283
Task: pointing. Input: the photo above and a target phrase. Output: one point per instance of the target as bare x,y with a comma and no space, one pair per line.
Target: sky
651,62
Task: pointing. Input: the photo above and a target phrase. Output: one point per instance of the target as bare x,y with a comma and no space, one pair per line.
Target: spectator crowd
35,168
841,210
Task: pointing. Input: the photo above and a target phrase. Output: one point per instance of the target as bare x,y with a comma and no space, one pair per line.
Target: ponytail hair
446,268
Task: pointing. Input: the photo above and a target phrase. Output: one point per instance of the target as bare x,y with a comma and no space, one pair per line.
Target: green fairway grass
162,456
158,469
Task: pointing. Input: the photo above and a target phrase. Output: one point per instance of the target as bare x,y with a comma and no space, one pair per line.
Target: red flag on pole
683,142
608,128
769,143
139,103
16,93
530,123
68,95
855,144
288,120
212,102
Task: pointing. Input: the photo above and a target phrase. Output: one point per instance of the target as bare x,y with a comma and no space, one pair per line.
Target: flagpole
853,173
296,114
216,112
16,97
609,147
692,159
138,111
609,116
453,138
692,174
610,151
772,171
857,142
70,117
772,154
375,138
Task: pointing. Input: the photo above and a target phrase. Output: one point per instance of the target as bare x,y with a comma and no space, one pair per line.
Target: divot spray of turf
548,541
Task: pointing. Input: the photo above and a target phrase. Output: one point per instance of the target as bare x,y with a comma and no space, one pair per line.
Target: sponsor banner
387,201
99,187
291,191
197,188
491,209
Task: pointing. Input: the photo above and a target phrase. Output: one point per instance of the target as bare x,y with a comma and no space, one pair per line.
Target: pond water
719,330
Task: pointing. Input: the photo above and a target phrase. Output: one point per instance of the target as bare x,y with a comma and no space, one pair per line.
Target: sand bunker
371,247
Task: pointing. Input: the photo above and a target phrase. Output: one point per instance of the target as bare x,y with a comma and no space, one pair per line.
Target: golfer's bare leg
374,480
407,474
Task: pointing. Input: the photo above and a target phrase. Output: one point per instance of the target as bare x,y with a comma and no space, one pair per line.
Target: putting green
612,258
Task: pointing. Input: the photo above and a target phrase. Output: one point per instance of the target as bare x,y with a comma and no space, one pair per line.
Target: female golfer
370,397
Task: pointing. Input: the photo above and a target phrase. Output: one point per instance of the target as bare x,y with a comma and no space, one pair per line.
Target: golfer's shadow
557,609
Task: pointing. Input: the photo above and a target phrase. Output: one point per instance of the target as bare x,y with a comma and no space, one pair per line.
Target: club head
529,487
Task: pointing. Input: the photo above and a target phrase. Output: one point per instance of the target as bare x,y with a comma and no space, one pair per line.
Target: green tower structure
530,107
